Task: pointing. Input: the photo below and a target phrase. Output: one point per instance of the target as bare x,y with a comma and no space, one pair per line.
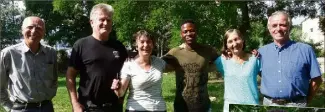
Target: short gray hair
276,13
32,17
101,6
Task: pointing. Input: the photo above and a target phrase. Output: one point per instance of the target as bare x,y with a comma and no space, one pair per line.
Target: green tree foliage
68,21
296,34
62,61
10,23
322,17
160,21
259,11
43,9
211,20
322,24
129,17
164,19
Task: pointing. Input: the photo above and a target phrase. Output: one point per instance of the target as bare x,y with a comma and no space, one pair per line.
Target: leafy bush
62,61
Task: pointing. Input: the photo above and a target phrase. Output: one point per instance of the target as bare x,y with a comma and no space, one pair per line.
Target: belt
282,101
17,105
91,105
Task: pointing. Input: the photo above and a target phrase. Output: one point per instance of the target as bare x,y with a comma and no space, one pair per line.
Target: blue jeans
44,108
300,103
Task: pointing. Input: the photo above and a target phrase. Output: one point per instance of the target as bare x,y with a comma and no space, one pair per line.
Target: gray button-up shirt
26,76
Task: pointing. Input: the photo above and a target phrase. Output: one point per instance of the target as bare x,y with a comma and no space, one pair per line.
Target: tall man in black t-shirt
98,60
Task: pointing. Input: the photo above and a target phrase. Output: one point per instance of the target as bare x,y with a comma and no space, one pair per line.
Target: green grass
62,103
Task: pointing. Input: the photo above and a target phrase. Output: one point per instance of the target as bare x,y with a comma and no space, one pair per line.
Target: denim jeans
44,108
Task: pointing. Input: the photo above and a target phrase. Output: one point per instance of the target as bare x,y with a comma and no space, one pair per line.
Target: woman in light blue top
239,73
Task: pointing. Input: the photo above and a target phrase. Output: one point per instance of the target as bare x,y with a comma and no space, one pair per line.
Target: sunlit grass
62,102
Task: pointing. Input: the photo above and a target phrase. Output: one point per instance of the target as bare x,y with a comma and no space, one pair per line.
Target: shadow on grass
319,99
169,98
62,82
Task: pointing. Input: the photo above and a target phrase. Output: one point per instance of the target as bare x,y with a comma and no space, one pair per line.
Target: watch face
116,54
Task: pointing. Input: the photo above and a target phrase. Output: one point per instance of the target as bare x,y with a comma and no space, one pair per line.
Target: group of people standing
289,70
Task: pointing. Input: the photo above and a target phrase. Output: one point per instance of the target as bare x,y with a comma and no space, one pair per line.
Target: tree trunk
162,47
1,46
245,26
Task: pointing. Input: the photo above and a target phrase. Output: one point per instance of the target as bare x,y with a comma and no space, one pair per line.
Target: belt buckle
106,104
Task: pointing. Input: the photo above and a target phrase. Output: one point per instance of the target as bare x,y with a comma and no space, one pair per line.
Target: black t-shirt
98,63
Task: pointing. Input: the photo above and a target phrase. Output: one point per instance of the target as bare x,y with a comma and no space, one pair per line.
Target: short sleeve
126,70
163,63
258,64
160,63
314,69
172,51
122,50
170,58
75,57
219,64
260,58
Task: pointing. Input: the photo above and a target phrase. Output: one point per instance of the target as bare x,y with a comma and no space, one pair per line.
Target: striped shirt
145,86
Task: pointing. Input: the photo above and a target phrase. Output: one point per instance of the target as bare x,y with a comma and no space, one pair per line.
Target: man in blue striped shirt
290,71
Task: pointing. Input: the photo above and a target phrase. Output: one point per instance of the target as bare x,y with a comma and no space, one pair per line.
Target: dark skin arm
313,88
171,63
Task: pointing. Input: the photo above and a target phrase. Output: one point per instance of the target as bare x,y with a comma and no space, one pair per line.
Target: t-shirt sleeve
171,52
162,64
260,56
126,70
258,63
123,53
170,58
314,69
75,57
219,64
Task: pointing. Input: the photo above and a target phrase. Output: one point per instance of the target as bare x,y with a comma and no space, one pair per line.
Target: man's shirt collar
25,48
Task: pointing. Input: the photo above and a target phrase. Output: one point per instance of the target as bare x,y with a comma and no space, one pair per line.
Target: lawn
62,102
